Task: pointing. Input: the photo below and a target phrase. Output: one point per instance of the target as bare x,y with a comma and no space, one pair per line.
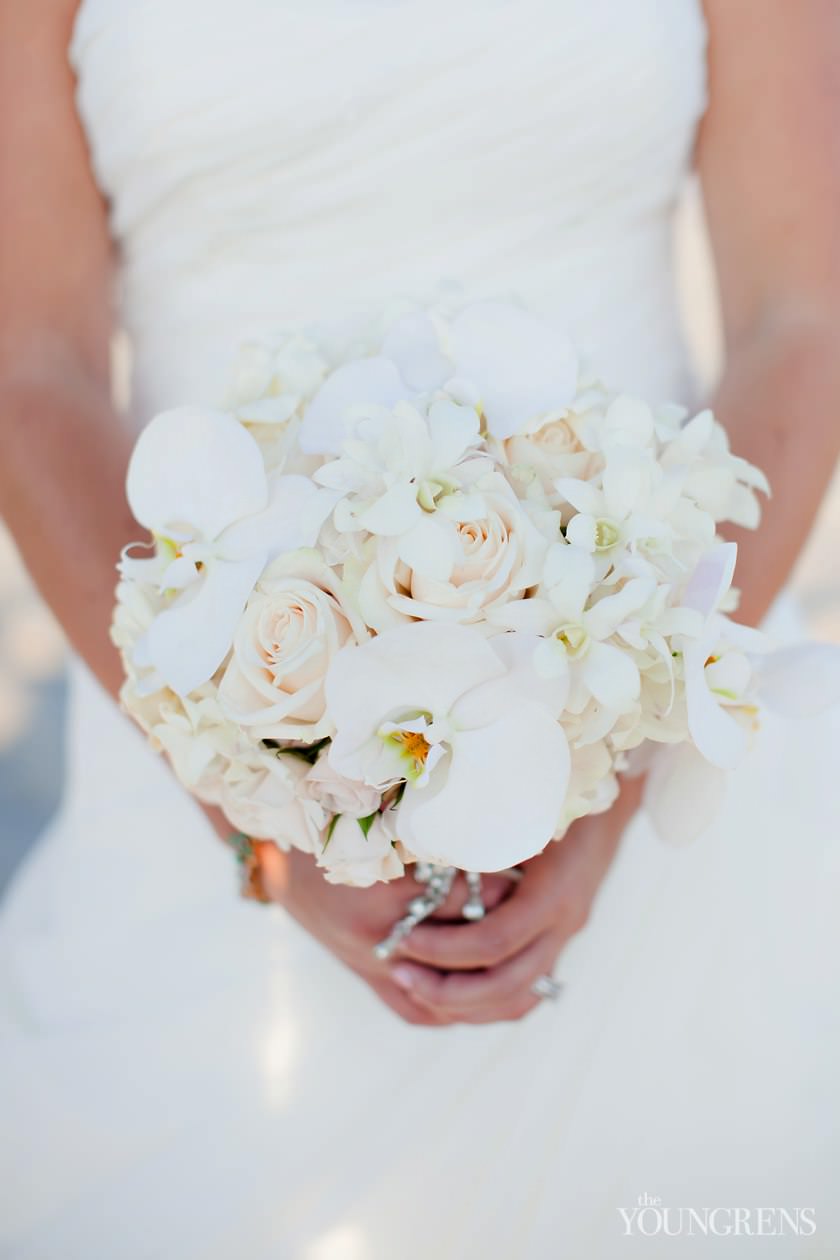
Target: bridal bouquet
420,592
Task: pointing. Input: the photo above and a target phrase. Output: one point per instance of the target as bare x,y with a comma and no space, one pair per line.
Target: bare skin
770,168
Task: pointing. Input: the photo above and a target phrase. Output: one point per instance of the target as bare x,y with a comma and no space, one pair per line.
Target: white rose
269,383
494,557
354,856
268,388
197,738
339,795
266,797
295,622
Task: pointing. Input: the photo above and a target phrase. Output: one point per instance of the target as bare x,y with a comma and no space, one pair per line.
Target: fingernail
403,977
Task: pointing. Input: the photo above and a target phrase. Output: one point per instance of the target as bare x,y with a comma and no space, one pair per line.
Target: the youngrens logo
649,1217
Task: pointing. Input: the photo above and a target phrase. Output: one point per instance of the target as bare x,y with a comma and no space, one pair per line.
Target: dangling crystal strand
438,881
474,908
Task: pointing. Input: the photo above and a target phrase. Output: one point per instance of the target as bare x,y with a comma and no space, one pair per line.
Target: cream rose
264,797
354,856
544,454
496,555
339,795
295,622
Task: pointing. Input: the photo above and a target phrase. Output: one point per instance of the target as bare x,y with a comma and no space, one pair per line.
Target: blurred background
32,649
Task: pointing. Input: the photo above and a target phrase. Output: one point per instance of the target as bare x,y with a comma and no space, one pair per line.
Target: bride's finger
408,1010
513,924
497,993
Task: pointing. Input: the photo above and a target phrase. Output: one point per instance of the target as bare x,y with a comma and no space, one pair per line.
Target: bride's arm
769,162
63,453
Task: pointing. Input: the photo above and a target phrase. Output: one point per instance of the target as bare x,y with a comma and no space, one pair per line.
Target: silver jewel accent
474,907
438,881
547,987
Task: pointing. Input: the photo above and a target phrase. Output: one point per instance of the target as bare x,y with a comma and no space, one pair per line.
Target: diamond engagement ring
547,987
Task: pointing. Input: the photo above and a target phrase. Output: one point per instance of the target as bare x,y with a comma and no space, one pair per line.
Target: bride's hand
350,921
449,971
478,973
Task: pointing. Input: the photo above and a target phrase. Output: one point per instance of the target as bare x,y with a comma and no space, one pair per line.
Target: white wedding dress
187,1076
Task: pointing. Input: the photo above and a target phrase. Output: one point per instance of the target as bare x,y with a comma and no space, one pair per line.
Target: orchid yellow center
167,546
413,749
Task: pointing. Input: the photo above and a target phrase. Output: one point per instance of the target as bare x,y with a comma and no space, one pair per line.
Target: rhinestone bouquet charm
438,881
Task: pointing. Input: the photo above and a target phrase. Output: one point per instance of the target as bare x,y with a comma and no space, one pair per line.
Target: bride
185,1073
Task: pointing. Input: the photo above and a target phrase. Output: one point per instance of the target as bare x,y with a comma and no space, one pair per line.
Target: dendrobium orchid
399,469
575,635
718,482
197,481
456,717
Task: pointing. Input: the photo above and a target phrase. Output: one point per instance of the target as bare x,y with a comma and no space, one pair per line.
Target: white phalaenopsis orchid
197,481
458,718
